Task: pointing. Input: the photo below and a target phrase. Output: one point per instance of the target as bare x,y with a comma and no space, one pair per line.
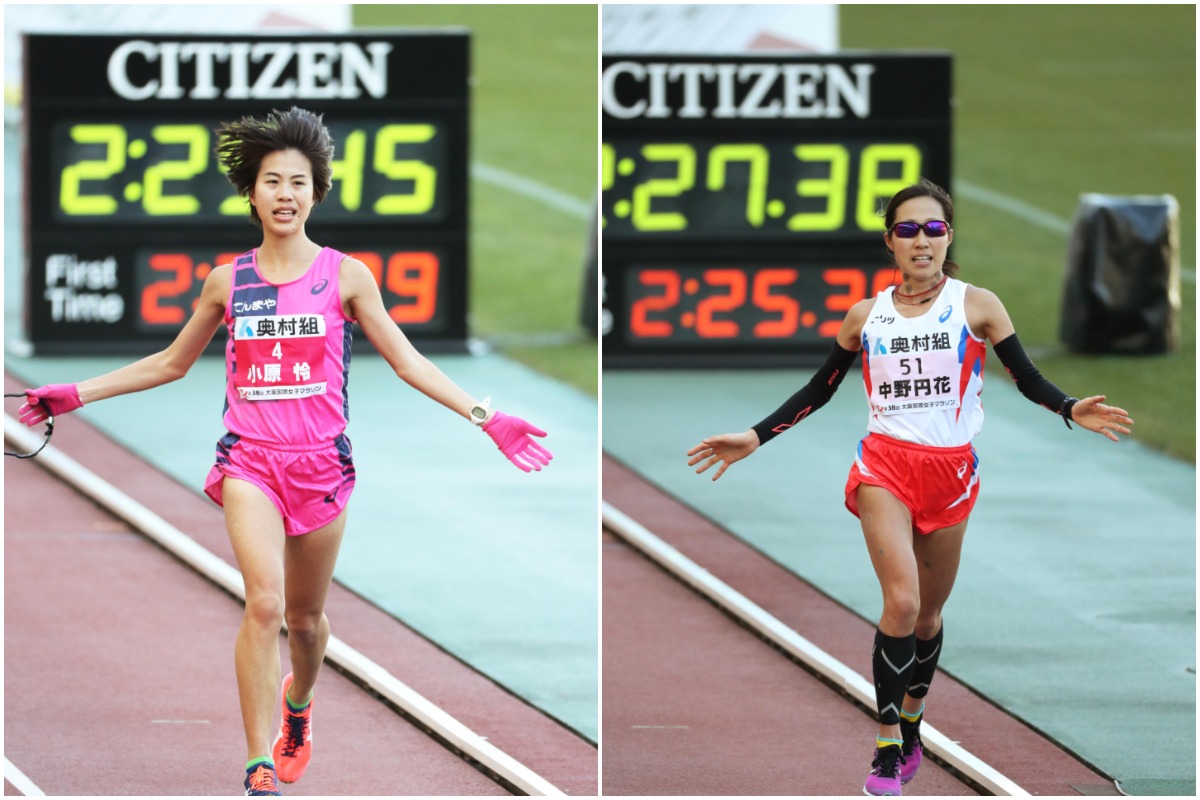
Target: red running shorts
939,485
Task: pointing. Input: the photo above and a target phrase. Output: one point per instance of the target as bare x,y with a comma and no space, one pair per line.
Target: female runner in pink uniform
284,471
915,477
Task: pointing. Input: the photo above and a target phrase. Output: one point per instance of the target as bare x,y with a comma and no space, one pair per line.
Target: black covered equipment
1122,286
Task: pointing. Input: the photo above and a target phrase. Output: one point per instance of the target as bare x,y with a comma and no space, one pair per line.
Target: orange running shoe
293,746
260,781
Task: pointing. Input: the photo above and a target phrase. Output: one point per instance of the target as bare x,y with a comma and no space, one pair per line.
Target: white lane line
796,645
1038,217
527,187
228,578
22,783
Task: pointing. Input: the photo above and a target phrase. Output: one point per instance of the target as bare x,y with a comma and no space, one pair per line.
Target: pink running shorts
309,484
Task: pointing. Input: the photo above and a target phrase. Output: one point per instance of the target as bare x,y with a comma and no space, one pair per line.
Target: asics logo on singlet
320,286
946,314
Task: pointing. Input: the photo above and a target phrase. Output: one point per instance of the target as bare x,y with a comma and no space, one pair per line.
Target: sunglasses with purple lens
935,229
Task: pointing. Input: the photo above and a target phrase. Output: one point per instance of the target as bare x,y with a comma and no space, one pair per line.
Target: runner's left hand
512,435
1092,414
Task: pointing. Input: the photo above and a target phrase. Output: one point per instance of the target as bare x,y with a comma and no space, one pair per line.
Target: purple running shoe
884,780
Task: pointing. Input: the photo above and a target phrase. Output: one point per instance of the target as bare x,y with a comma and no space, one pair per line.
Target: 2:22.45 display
164,172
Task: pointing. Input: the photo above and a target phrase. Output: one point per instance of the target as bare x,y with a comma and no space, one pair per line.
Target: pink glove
511,435
49,401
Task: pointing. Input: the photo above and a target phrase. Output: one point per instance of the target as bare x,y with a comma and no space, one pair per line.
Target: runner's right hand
727,448
49,401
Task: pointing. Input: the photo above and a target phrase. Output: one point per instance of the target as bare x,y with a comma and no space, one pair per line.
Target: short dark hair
242,146
926,188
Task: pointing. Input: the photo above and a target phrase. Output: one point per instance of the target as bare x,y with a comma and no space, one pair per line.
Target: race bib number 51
907,379
280,357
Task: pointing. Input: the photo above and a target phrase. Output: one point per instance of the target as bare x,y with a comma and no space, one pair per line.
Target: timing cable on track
814,658
365,671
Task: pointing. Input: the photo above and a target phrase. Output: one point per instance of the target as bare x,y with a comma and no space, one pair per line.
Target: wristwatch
479,411
1068,404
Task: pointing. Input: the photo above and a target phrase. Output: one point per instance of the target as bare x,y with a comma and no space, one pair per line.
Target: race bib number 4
915,381
279,357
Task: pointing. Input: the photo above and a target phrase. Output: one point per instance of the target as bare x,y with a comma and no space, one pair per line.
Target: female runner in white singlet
915,479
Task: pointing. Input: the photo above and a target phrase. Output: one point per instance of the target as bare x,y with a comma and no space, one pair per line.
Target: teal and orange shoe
260,781
293,746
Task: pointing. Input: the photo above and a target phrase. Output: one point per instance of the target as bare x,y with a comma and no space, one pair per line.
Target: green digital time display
797,184
127,209
742,197
166,172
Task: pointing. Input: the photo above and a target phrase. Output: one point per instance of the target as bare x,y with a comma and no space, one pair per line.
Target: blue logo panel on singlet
251,297
347,339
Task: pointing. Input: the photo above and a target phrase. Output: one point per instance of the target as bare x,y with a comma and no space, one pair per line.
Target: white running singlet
924,375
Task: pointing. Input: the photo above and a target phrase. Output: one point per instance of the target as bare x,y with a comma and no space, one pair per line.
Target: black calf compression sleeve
815,394
892,663
927,654
1031,383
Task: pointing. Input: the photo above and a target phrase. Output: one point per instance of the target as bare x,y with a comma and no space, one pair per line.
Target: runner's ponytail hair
242,146
926,188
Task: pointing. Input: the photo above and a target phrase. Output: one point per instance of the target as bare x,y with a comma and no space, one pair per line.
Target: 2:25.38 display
779,305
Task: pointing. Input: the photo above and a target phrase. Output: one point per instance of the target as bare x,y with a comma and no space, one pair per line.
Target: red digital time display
741,197
776,305
127,208
168,284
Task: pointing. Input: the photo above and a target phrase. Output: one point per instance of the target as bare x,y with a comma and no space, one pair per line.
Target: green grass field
1054,101
534,115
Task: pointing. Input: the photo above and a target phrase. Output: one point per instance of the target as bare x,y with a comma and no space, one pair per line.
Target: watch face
479,412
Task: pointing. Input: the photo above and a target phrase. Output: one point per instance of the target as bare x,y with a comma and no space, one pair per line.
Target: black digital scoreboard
741,197
128,210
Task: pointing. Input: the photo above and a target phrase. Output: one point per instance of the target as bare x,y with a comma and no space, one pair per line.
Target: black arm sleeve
1029,381
815,394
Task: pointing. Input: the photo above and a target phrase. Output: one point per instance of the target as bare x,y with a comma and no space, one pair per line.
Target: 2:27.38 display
778,185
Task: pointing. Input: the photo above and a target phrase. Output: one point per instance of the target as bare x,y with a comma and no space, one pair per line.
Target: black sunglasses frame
921,226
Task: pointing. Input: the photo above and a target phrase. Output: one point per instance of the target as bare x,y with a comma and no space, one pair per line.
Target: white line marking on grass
1038,217
796,645
227,577
527,187
22,783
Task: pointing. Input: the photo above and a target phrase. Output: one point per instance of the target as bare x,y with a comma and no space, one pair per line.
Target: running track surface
1077,589
105,634
696,704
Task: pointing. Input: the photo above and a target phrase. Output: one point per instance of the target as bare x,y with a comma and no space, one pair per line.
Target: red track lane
406,761
756,709
119,673
695,704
